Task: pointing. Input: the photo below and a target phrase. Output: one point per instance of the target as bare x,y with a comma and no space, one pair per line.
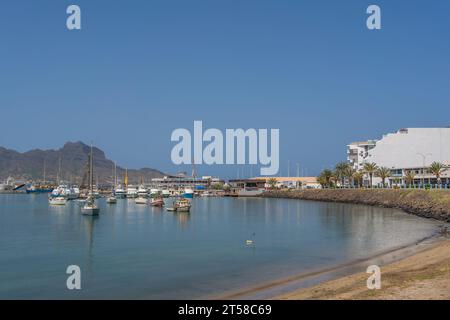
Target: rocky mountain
72,158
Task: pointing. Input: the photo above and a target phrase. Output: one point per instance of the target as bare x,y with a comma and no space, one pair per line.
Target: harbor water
133,251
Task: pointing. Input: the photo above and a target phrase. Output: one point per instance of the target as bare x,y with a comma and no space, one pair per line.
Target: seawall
433,204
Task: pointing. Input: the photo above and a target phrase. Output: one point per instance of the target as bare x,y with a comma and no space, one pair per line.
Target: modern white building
358,151
411,149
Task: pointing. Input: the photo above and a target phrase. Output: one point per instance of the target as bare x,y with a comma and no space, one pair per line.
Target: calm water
135,251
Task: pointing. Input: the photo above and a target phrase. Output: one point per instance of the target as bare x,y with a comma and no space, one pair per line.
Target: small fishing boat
140,200
182,205
157,202
111,200
57,201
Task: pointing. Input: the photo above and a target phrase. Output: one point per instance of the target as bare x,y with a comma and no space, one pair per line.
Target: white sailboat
90,208
112,198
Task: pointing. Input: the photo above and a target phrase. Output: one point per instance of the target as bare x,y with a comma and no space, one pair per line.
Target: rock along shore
433,204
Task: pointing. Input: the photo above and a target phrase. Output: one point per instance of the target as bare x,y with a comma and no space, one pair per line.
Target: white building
411,149
358,151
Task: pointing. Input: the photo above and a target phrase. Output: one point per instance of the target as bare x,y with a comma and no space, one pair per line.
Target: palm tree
409,177
325,178
322,181
383,173
272,182
349,174
358,177
340,172
370,169
437,169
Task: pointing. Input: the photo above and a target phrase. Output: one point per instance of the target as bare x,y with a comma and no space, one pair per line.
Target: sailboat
90,208
112,199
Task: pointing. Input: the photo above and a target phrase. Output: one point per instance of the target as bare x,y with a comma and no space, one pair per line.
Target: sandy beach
424,275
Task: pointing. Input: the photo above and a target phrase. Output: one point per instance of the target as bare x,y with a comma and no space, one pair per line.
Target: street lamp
424,156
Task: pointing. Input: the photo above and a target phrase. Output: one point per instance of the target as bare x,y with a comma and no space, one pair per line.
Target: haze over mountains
73,157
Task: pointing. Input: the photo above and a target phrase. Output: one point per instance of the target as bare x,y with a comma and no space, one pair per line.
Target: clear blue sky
139,69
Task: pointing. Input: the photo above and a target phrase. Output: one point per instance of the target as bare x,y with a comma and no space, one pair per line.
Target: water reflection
89,227
140,251
182,219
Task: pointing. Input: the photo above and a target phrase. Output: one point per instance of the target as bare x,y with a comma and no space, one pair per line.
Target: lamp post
424,156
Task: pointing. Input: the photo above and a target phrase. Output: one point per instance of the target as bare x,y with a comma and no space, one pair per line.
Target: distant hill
74,158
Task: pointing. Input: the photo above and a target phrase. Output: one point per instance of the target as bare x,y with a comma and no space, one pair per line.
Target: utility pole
288,169
424,156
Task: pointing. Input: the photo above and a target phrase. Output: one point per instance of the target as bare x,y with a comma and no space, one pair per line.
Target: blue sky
139,69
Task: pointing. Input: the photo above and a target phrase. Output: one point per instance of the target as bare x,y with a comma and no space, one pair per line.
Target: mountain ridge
73,158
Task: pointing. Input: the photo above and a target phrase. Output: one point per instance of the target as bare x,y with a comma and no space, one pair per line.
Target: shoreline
410,272
431,204
424,275
290,287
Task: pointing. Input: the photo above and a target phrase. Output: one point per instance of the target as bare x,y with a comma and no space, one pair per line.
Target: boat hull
58,203
90,211
157,203
140,201
40,191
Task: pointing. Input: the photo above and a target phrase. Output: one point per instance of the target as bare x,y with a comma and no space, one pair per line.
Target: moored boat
120,192
57,201
154,193
141,200
182,205
165,193
142,191
188,193
157,202
111,200
132,192
38,189
90,208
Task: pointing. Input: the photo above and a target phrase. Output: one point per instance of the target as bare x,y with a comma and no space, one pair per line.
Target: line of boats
142,195
179,204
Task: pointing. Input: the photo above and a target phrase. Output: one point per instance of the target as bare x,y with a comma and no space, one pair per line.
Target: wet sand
420,270
424,275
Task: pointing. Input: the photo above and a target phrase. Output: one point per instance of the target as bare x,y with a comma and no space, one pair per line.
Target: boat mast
59,171
91,182
44,169
115,174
